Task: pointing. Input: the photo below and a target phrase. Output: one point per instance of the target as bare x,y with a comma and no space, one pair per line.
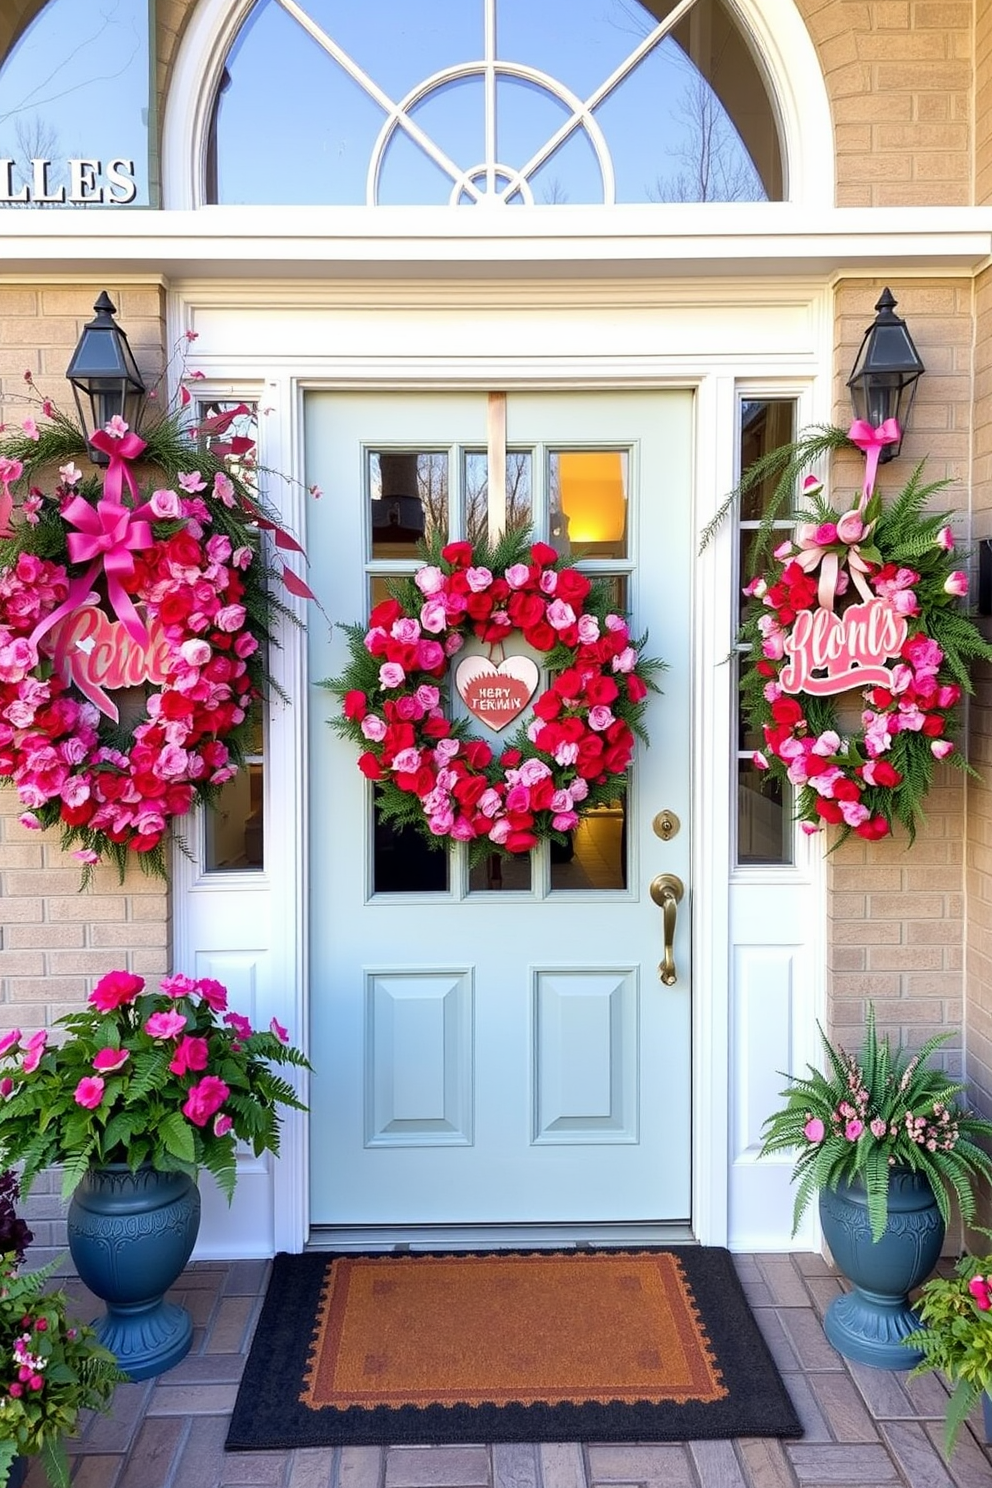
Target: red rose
477,754
541,793
933,726
601,690
525,609
175,607
541,636
787,710
873,829
468,790
829,810
617,758
548,706
184,550
385,613
510,758
370,766
636,689
846,790
437,728
77,816
884,774
458,554
542,554
520,842
572,586
480,606
355,706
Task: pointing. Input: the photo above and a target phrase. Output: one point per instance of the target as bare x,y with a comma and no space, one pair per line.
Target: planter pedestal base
869,1327
146,1340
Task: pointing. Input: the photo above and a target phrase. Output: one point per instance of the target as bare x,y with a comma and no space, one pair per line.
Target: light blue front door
495,1046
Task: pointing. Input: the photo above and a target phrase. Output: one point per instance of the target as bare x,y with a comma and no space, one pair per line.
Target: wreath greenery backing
861,779
429,771
183,573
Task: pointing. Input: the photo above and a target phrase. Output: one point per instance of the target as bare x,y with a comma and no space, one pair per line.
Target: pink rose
814,1130
825,534
877,1127
391,674
109,1060
517,575
406,630
115,989
239,1023
560,614
853,1130
941,748
222,1124
191,1054
89,1092
214,993
165,505
282,1034
850,527
230,618
10,1041
204,1099
564,821
433,616
478,579
164,1025
429,580
177,985
945,539
956,584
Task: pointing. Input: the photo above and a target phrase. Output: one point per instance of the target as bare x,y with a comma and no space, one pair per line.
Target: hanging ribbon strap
10,470
872,442
120,450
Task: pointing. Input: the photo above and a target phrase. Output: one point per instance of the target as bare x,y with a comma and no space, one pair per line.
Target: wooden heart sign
496,695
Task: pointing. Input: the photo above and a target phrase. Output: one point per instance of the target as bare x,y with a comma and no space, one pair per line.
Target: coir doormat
589,1345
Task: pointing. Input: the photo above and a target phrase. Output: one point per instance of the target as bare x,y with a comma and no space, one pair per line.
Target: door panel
495,1046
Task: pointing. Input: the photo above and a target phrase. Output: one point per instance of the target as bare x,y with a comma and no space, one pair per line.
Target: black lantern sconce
886,371
104,375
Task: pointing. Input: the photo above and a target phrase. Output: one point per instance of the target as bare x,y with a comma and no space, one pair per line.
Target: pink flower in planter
222,1124
109,1060
164,1025
10,1041
34,1051
204,1099
115,989
853,1130
814,1130
191,1054
89,1092
282,1034
213,994
239,1023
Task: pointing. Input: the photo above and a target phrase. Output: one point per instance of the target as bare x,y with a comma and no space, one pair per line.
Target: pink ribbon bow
108,535
813,555
872,442
121,449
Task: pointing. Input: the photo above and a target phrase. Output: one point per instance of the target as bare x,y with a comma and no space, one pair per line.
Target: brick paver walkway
864,1427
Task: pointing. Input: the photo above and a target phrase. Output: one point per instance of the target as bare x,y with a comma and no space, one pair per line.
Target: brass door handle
666,890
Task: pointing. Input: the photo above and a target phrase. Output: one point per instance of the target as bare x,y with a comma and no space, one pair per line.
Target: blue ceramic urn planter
130,1235
869,1323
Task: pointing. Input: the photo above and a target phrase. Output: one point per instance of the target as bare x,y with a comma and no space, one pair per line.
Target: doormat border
270,1416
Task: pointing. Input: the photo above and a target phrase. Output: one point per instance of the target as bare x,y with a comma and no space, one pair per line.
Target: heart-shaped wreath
863,602
102,590
574,753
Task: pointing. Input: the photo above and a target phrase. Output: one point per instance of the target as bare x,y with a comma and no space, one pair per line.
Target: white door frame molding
771,342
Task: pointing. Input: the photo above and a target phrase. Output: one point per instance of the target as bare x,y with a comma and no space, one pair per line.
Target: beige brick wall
896,916
899,74
983,103
55,940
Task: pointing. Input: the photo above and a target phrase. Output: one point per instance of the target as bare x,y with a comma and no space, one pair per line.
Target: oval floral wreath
429,771
866,599
101,590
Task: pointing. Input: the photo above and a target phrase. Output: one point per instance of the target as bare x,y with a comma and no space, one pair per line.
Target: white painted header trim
677,240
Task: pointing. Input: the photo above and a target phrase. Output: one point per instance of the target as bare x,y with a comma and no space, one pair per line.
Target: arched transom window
491,103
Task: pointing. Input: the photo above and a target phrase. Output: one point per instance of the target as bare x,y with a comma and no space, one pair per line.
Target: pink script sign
95,653
831,653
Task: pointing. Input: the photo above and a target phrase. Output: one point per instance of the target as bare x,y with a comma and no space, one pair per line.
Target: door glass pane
764,806
596,857
403,862
408,501
587,499
233,828
764,818
496,874
519,477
